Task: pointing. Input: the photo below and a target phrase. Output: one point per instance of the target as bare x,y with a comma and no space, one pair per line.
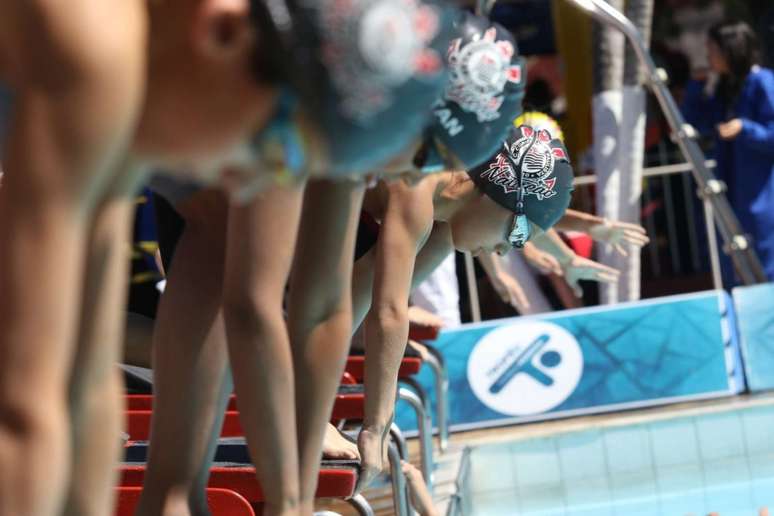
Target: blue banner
588,360
755,317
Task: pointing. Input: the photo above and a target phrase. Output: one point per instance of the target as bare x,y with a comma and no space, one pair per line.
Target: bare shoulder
50,42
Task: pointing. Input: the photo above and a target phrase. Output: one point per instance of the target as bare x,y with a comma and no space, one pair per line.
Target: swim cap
366,71
539,120
484,93
540,164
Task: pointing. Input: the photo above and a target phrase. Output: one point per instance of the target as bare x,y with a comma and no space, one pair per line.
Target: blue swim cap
544,166
366,71
484,93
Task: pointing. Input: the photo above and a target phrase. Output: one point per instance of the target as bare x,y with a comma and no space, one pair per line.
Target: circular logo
481,63
537,160
479,71
371,47
525,368
388,41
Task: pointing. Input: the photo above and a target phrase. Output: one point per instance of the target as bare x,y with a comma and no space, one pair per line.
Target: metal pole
436,363
425,433
738,245
712,239
690,216
399,493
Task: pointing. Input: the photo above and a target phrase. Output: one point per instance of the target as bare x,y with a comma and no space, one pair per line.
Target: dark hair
739,46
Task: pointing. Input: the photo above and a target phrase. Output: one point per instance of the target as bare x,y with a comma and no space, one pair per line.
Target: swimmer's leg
96,386
78,82
320,317
261,239
191,379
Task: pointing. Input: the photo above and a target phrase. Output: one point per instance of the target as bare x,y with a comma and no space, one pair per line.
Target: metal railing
672,206
738,246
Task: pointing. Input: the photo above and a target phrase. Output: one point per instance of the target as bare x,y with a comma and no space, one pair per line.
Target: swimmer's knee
30,421
251,311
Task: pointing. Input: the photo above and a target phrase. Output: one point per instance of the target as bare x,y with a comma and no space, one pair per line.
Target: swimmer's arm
506,286
575,267
406,224
362,287
438,246
578,221
613,232
320,311
436,249
552,243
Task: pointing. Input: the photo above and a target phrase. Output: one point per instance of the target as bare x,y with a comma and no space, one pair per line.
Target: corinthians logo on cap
536,154
373,46
479,72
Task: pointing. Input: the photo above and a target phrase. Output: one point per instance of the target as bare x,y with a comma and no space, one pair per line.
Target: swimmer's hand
579,268
421,498
509,290
370,444
619,234
544,262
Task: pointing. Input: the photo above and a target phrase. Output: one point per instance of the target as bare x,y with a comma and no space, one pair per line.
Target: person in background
735,106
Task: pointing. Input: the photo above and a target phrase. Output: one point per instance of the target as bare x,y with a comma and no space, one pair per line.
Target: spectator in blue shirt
735,106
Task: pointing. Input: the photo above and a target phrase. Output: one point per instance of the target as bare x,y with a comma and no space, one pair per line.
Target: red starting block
349,404
221,502
409,366
420,332
332,482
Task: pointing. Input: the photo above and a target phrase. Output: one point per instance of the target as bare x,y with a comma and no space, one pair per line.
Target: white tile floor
693,465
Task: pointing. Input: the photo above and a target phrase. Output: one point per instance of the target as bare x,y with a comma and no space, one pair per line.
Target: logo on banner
525,368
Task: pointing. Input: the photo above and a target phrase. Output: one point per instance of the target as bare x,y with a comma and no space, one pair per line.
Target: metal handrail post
399,491
712,239
425,433
435,361
361,505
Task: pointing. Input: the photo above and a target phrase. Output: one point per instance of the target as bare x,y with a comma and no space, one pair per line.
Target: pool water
719,462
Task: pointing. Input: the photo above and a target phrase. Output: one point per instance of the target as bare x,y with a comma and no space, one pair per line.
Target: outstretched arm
260,243
604,230
575,267
405,226
320,312
506,286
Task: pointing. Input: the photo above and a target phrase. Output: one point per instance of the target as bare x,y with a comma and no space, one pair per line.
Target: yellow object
538,120
572,30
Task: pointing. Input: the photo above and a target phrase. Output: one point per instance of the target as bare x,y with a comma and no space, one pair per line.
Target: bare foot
336,446
370,444
420,496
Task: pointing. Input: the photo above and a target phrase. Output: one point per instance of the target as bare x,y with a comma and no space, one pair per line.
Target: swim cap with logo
537,161
365,71
484,94
539,120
